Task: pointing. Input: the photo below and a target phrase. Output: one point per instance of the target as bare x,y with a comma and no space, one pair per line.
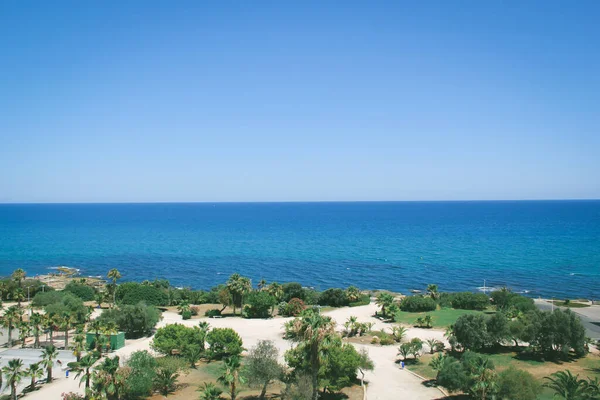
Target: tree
497,329
83,368
452,375
49,354
314,332
262,366
110,368
78,347
34,371
567,386
404,350
224,342
439,362
516,384
470,301
470,331
192,353
18,276
230,375
114,275
11,317
417,304
433,345
13,373
135,320
67,320
35,321
142,374
210,392
333,298
24,332
174,337
167,374
364,364
259,305
398,332
384,300
238,286
353,294
432,291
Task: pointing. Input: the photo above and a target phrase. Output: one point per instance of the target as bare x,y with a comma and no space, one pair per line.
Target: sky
152,101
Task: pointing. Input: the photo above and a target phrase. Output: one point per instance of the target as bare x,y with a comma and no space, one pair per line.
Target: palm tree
384,300
79,346
84,369
99,298
432,290
238,286
262,284
11,318
66,323
433,344
35,321
353,293
49,354
230,375
115,275
314,331
13,373
24,332
276,290
18,276
398,332
34,371
439,362
567,386
484,377
428,321
19,296
210,392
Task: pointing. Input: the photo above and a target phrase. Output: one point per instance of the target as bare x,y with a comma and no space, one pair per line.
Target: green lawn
571,304
441,318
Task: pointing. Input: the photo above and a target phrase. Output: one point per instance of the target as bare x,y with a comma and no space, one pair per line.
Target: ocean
543,248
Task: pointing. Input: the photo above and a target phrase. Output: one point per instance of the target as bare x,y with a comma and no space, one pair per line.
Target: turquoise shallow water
549,248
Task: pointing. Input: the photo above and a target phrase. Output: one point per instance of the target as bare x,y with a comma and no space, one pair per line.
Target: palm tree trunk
49,377
233,394
13,391
32,386
9,335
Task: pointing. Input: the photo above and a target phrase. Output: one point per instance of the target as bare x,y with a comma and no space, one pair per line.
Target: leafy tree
417,304
135,320
516,384
333,298
439,362
34,371
83,291
293,290
142,374
262,365
567,386
224,342
174,337
470,331
497,329
49,354
451,375
13,373
470,301
133,293
259,305
230,375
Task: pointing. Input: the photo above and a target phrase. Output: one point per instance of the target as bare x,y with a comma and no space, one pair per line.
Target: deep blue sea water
550,248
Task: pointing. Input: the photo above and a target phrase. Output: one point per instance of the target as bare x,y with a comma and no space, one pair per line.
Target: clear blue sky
115,101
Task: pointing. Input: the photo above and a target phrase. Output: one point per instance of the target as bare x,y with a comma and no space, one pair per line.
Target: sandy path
386,382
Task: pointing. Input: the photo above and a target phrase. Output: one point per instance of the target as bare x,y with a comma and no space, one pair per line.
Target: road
590,316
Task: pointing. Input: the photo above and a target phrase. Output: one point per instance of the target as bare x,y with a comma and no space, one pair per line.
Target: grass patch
571,304
441,318
421,367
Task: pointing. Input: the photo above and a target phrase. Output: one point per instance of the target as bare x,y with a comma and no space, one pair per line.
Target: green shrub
139,383
291,309
470,301
133,293
81,290
136,321
214,312
293,290
171,339
516,384
333,298
187,314
68,303
259,305
43,299
364,300
223,342
417,304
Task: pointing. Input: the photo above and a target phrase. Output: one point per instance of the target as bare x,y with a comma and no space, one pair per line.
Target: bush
292,309
223,342
43,299
333,298
470,331
187,314
516,384
212,313
195,310
68,303
171,339
507,301
364,300
136,321
470,301
259,305
83,291
417,304
139,383
293,290
133,293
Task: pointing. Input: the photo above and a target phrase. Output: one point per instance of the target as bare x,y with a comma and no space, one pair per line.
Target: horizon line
300,201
